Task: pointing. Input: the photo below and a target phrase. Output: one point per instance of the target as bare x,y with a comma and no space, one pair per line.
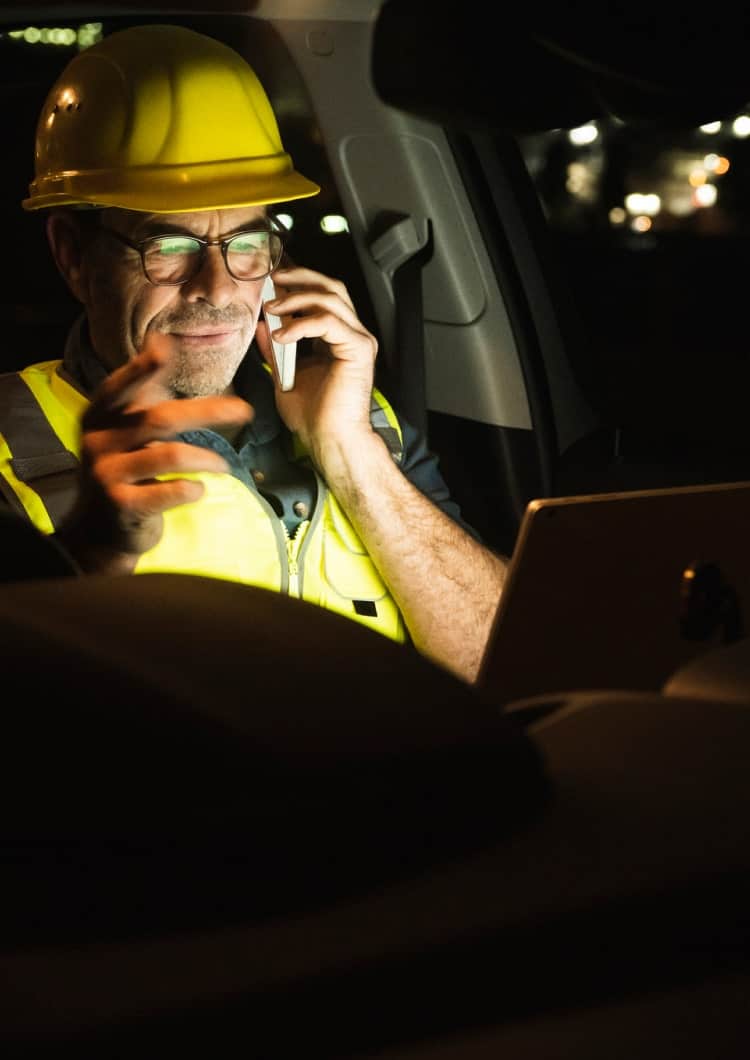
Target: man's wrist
344,460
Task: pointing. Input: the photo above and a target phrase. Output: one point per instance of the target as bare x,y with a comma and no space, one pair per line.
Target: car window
650,224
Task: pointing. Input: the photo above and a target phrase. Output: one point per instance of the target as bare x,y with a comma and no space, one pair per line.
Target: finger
298,304
308,279
162,458
134,427
122,386
346,342
146,499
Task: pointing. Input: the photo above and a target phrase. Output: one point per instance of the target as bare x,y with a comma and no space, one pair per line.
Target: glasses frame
273,227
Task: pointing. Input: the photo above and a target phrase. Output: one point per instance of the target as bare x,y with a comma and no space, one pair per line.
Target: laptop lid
617,590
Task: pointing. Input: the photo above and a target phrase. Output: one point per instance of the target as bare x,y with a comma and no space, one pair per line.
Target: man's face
211,318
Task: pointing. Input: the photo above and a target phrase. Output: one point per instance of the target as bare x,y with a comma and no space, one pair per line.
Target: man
157,158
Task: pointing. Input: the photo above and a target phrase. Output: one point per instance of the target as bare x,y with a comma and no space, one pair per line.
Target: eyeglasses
174,259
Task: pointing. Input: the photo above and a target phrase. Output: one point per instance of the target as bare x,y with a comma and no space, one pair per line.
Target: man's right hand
126,442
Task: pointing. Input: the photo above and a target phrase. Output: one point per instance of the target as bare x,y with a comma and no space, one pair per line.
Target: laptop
618,590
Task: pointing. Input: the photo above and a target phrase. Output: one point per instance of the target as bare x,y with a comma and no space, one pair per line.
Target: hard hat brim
172,189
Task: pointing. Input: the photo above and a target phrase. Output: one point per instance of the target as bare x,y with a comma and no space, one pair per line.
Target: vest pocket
347,568
350,583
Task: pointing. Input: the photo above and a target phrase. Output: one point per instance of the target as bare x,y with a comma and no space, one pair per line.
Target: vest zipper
293,546
289,547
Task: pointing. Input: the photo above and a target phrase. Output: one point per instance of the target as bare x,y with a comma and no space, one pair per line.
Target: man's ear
66,242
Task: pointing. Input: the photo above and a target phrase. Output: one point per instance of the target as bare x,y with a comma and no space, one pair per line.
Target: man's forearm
446,584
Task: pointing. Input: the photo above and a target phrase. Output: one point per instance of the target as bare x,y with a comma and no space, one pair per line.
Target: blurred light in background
333,224
583,134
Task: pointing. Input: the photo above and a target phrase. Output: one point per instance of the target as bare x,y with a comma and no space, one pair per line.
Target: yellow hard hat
160,119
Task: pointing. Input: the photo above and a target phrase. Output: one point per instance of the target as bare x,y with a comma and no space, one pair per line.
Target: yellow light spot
697,177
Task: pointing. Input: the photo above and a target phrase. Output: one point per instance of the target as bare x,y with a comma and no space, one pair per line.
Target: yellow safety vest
232,532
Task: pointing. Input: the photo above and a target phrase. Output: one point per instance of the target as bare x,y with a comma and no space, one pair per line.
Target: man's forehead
210,223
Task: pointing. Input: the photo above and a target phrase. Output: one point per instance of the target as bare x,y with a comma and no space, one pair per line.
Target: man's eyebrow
166,228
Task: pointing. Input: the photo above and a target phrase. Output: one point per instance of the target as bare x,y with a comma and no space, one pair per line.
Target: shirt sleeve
421,467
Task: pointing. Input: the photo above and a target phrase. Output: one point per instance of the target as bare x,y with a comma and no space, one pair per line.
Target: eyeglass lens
177,258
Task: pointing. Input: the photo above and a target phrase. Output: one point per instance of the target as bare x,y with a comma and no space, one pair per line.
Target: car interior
232,818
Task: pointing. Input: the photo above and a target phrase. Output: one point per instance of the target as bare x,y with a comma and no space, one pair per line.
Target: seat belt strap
401,252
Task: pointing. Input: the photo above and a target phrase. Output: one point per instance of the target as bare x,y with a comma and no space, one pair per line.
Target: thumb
263,341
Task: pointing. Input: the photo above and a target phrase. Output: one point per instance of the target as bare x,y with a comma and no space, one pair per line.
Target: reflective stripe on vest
324,563
35,453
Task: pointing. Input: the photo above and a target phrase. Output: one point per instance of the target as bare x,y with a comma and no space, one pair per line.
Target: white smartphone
284,354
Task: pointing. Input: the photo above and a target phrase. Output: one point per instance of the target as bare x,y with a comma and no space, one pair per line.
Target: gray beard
207,374
214,375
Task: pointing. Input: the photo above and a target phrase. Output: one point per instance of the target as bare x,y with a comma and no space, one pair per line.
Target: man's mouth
208,334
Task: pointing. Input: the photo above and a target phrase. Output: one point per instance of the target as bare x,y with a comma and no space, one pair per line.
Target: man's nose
212,282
